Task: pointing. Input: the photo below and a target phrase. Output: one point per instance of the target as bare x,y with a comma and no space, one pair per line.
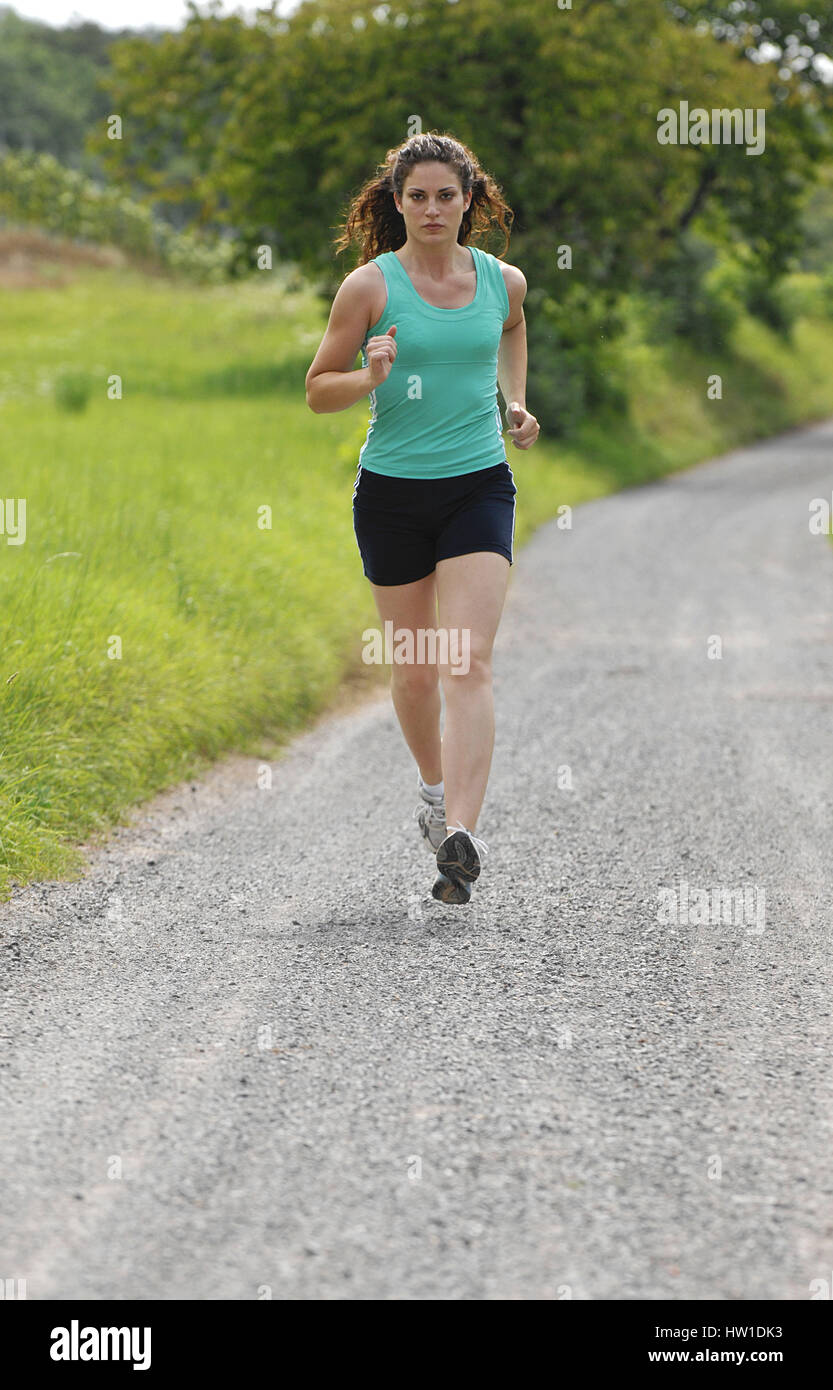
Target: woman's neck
436,263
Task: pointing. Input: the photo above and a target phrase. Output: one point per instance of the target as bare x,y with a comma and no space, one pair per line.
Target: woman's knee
474,671
415,677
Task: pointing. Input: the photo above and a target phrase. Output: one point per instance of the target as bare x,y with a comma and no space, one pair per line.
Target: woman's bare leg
471,590
415,687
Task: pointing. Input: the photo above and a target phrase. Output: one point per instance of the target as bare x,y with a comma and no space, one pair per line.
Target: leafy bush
686,297
777,302
72,390
572,367
771,302
36,189
826,295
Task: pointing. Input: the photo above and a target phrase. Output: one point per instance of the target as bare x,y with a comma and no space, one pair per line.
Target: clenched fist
523,428
381,351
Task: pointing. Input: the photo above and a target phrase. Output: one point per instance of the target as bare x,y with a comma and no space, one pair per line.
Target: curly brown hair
374,221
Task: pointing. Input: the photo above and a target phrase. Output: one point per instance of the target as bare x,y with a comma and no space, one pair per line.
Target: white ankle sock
437,791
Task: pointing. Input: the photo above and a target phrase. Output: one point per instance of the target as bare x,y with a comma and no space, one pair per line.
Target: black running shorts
404,526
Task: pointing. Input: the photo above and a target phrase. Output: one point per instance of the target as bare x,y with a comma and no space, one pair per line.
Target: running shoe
430,813
458,865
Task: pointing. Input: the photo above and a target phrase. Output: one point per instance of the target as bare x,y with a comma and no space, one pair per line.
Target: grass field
189,583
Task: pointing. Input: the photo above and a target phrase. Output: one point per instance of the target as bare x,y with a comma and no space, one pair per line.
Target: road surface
249,1056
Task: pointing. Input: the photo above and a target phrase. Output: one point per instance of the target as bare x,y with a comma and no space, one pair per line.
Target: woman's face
432,203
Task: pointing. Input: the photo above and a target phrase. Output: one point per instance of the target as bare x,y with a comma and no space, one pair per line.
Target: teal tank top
437,414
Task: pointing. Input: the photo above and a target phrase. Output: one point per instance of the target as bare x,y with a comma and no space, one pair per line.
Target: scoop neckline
436,308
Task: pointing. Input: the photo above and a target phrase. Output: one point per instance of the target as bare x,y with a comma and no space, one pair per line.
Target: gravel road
248,1055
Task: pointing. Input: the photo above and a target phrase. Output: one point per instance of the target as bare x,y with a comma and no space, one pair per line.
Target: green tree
275,124
174,92
48,93
280,122
801,30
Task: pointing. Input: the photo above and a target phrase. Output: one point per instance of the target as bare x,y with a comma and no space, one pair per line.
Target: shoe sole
445,890
458,864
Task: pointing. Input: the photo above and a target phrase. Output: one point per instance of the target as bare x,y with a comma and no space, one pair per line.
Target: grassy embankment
142,525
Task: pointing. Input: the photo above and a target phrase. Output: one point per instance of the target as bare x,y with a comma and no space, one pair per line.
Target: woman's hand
523,428
381,351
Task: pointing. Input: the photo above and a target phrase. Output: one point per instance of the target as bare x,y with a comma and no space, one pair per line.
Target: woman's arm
512,362
332,382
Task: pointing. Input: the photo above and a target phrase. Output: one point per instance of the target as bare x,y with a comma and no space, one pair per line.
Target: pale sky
129,14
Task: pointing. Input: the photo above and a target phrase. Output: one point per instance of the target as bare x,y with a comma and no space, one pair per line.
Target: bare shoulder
367,274
515,282
514,279
363,290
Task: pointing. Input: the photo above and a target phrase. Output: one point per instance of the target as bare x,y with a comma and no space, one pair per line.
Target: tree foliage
272,126
265,128
49,99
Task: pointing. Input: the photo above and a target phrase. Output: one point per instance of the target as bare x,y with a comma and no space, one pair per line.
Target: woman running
438,323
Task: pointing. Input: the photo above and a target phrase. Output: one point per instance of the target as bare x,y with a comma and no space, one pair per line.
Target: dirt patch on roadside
31,259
